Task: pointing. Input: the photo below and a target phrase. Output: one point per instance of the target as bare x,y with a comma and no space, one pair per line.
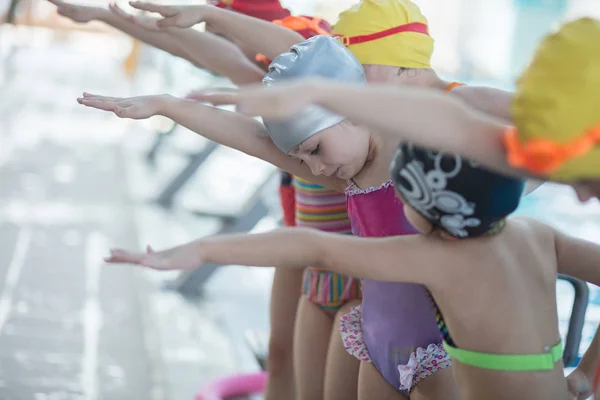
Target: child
551,141
335,152
498,317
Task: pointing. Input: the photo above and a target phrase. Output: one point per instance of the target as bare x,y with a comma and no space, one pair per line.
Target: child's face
339,151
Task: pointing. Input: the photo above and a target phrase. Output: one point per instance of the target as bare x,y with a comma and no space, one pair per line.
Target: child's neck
376,170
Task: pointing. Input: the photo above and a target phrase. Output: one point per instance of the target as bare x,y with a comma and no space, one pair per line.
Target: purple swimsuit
395,328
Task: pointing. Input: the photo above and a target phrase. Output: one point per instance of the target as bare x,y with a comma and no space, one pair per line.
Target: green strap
507,362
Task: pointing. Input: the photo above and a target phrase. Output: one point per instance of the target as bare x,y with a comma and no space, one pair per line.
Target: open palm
75,12
173,16
185,257
141,107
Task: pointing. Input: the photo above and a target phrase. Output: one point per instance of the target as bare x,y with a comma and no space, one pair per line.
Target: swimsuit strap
508,362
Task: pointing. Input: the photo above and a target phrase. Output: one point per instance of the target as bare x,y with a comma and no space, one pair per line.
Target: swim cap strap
544,156
416,27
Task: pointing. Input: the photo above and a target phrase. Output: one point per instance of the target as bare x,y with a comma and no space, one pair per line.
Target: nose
316,167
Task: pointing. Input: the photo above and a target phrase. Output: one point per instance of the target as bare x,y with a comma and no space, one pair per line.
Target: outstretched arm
411,258
228,128
425,117
83,14
492,101
261,36
422,116
202,49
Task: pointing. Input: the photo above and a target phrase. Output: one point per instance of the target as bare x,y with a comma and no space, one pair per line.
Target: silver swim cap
319,56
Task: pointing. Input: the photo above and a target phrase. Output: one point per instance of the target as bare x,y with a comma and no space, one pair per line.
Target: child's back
501,299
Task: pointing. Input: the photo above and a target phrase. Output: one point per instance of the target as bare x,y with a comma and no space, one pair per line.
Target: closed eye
315,151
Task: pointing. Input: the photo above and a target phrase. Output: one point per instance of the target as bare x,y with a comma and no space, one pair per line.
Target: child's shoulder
528,225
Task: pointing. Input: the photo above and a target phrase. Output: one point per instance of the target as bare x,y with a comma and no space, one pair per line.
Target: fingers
165,11
99,104
120,256
114,7
90,96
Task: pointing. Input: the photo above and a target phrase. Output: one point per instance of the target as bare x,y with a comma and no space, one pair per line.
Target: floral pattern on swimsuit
396,326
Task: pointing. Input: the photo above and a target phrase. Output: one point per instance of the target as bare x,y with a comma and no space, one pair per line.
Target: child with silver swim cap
330,151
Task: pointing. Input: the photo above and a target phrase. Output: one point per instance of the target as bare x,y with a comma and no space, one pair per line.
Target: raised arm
202,49
492,101
422,116
83,14
228,128
261,36
410,258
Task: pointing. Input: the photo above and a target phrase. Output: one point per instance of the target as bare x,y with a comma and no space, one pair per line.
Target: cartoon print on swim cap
453,192
319,56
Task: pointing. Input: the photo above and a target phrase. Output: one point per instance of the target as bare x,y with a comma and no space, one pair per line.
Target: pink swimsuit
395,328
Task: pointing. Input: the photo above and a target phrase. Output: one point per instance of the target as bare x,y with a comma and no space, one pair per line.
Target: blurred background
75,181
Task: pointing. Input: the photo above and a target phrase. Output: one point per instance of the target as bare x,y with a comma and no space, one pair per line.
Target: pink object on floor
233,386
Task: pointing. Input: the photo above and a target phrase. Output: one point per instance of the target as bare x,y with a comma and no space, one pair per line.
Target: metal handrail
577,321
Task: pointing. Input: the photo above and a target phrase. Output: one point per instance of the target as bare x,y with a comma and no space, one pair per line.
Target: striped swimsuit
320,208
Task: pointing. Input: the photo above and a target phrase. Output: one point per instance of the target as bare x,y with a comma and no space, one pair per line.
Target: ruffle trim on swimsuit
352,189
423,363
351,330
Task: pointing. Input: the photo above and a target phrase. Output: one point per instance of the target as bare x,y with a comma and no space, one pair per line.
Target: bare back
503,301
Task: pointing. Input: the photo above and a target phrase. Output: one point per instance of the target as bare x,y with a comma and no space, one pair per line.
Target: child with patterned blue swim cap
490,278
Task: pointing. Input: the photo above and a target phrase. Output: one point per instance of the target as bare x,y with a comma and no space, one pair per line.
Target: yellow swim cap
556,108
386,32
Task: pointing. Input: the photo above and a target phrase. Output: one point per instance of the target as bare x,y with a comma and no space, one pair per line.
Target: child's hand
174,16
186,257
579,385
142,21
76,12
276,103
133,107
